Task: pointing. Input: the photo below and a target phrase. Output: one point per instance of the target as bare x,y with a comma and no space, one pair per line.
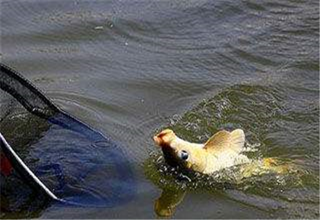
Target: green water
132,68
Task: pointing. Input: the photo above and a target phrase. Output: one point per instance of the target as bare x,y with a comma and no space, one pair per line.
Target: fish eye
184,155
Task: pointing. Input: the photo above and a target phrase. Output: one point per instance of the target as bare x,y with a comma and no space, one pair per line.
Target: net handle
22,168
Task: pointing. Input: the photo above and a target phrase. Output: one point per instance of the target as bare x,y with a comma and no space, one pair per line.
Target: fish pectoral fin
188,165
224,140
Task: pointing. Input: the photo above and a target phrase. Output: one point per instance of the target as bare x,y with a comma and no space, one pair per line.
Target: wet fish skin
222,150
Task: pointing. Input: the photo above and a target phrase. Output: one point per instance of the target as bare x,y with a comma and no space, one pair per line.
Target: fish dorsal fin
219,139
237,140
225,141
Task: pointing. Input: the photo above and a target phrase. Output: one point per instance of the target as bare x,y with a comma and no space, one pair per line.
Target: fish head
191,158
182,155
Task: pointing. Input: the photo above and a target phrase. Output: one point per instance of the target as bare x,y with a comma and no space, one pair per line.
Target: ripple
130,68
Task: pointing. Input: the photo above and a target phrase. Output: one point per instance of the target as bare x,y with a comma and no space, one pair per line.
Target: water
131,68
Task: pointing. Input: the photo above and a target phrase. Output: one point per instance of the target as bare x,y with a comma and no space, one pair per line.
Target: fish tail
276,165
269,161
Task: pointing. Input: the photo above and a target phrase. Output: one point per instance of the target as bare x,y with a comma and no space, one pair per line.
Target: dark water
131,68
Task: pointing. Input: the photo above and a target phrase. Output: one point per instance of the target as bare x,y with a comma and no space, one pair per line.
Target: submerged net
79,165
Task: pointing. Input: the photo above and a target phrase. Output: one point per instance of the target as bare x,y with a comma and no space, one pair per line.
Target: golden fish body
221,151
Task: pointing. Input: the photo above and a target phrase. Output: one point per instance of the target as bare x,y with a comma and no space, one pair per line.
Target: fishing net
76,164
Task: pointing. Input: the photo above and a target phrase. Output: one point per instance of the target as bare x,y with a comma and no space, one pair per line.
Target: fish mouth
157,140
170,154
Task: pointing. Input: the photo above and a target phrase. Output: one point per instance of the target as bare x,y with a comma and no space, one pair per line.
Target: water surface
131,68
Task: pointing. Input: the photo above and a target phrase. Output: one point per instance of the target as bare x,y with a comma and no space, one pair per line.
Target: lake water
131,68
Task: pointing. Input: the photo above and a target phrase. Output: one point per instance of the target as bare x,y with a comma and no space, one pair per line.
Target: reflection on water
166,204
131,68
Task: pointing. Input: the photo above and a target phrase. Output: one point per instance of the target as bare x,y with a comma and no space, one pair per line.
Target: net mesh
26,94
53,145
